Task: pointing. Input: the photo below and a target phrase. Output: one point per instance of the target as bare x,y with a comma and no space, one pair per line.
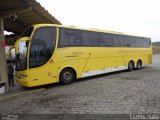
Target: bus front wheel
130,66
66,76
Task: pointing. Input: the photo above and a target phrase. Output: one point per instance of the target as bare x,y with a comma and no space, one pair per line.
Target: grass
156,49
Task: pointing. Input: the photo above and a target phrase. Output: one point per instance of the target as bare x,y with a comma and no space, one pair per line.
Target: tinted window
89,38
121,41
118,40
94,39
132,41
85,38
106,40
73,37
42,45
69,37
137,41
147,42
115,40
128,41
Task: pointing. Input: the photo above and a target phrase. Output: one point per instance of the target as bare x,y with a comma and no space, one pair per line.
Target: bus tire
130,65
66,76
139,64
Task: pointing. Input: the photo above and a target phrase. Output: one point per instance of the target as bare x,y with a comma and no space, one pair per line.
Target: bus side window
146,42
107,40
85,37
94,39
128,41
68,37
115,40
78,38
90,39
121,41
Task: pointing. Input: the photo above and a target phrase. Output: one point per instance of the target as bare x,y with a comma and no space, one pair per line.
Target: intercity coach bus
49,53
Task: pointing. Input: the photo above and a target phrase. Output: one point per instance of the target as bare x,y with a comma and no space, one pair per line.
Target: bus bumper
23,82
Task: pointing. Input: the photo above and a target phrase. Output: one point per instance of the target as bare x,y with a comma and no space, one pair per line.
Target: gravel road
136,92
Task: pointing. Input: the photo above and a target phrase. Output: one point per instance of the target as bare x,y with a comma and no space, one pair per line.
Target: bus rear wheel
66,76
139,64
130,66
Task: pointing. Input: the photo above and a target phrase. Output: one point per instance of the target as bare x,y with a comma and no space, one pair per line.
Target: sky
137,17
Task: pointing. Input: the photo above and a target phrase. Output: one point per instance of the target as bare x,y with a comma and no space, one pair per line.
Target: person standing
10,74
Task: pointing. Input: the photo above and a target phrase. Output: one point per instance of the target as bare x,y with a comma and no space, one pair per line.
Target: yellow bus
49,53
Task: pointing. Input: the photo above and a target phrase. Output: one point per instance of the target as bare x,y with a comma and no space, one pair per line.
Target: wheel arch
131,61
137,62
68,67
139,59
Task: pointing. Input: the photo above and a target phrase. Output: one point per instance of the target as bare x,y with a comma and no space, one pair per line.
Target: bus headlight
21,76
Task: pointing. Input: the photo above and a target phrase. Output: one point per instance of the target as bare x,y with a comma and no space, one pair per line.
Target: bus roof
88,29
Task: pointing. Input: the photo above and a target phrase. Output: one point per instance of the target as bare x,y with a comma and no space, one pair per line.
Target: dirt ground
136,92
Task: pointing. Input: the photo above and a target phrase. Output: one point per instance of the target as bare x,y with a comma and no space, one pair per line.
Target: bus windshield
42,46
21,58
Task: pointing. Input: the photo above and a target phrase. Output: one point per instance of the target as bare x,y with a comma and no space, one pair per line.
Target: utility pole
3,64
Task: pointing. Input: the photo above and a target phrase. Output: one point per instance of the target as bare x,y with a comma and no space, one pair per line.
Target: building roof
19,14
